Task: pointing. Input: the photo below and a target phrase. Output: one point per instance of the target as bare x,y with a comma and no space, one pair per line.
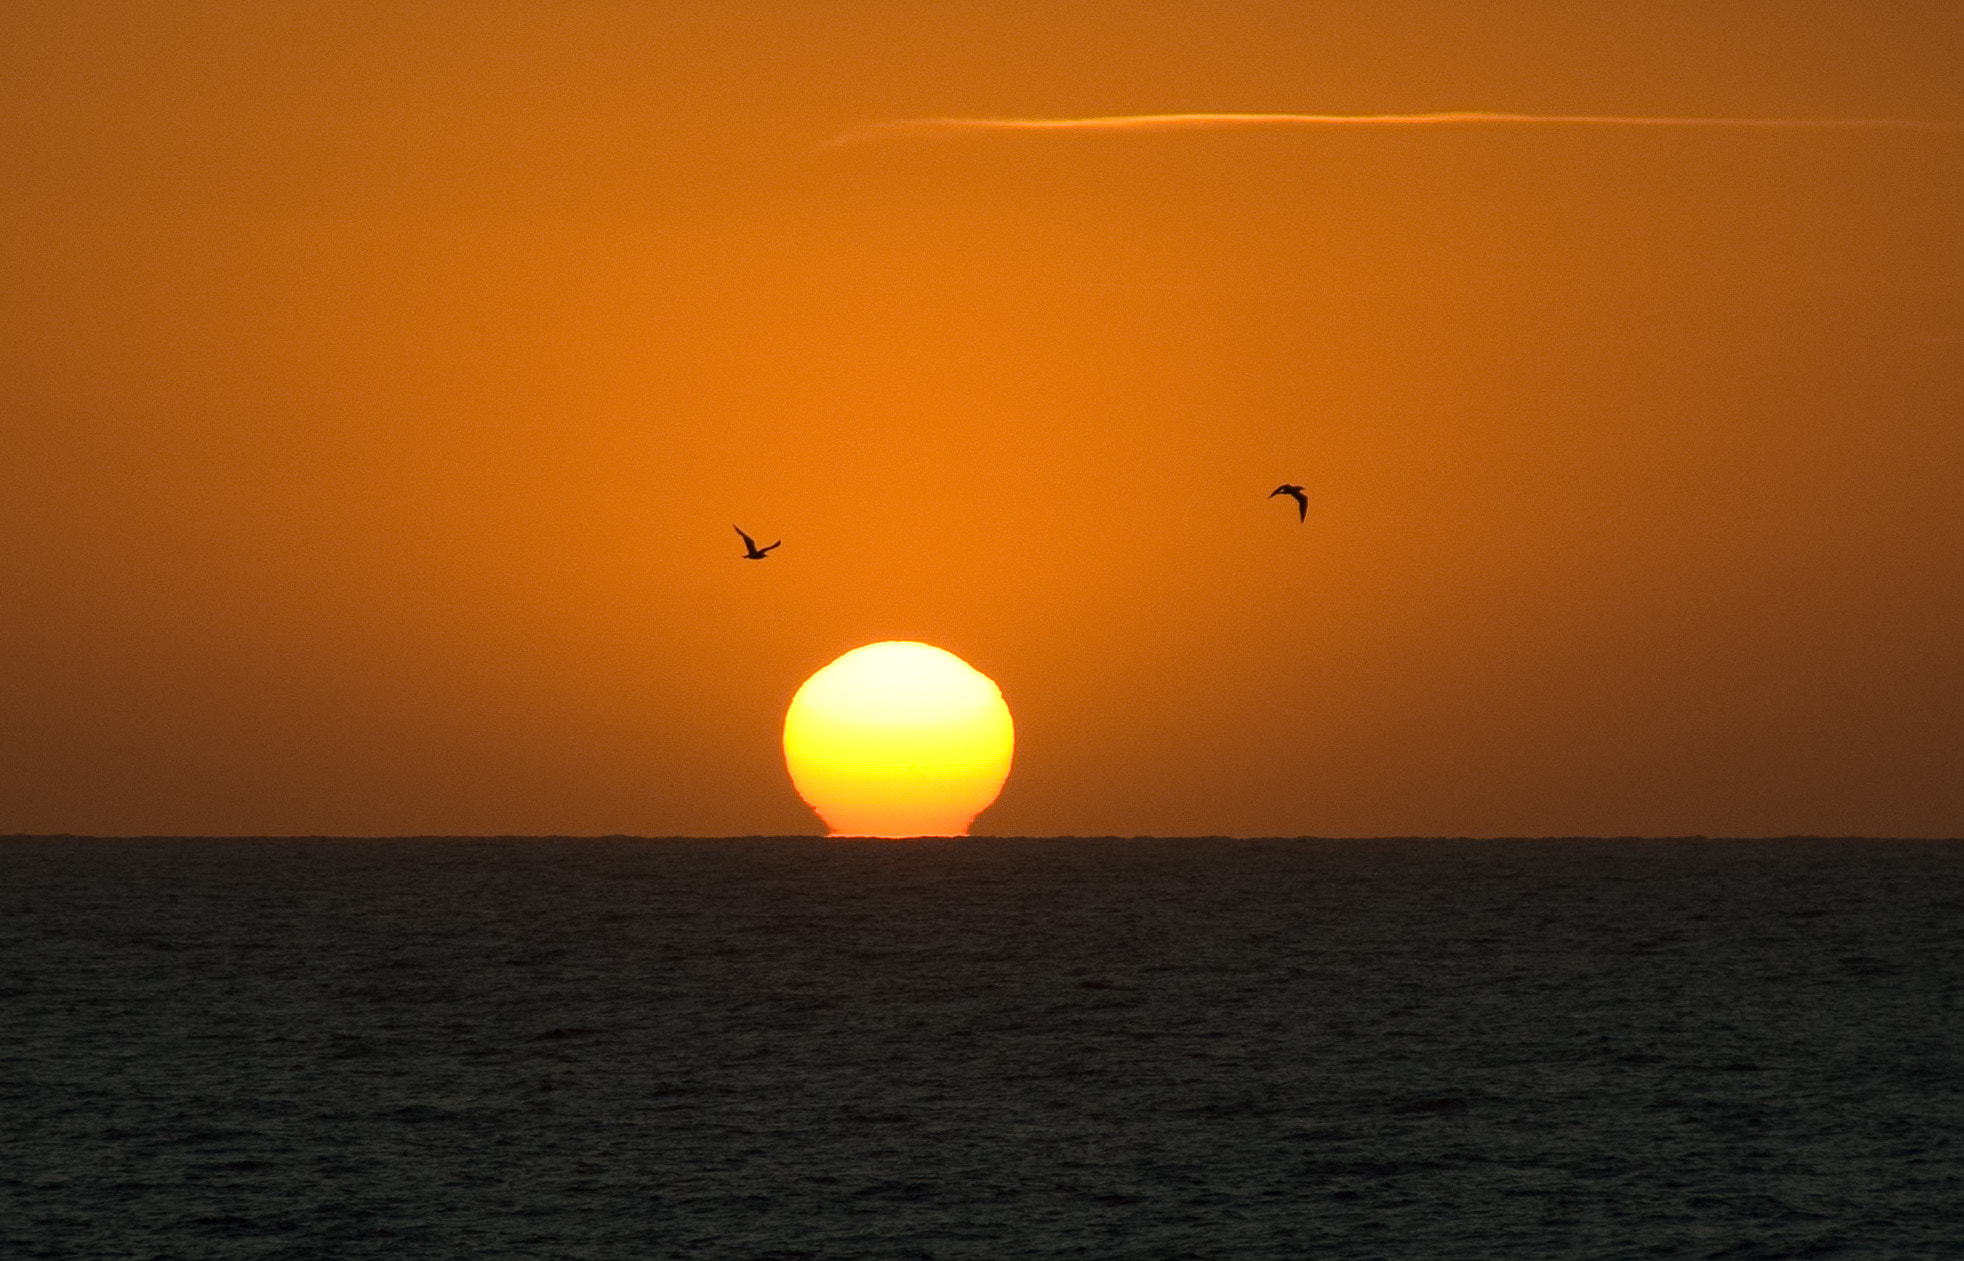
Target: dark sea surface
984,1048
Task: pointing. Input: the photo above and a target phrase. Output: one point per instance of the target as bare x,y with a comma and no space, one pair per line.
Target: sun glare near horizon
898,739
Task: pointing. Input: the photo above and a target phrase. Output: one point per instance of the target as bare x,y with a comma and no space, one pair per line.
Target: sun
898,739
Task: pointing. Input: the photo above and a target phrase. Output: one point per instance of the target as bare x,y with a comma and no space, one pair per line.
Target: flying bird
1295,493
750,549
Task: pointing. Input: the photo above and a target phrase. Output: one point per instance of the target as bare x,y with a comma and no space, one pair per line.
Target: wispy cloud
1223,122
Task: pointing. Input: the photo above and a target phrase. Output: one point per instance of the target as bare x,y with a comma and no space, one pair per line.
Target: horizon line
1757,837
1211,121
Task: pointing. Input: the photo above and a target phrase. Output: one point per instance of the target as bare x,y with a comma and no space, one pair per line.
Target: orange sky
380,382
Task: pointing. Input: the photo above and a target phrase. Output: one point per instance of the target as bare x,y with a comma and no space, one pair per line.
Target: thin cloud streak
1221,122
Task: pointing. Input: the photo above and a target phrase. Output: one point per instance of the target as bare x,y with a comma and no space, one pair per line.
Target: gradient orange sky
379,382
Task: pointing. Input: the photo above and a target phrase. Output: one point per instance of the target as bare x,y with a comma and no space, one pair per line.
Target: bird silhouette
1295,493
750,549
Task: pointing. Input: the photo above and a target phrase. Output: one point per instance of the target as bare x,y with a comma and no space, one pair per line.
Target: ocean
980,1048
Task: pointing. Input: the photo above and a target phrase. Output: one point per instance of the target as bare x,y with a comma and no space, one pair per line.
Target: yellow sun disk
898,739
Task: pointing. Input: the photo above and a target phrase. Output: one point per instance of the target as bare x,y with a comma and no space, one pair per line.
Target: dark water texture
987,1048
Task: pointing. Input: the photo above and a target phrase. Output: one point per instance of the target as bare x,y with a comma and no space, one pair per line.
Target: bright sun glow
898,739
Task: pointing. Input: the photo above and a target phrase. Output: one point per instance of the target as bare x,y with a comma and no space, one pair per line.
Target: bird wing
1302,505
749,544
779,543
